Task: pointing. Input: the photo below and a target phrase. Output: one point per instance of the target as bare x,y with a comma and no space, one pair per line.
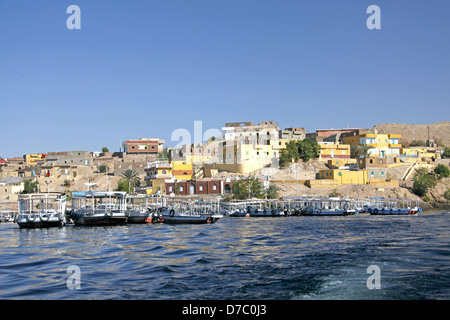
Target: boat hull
189,220
137,219
393,212
325,213
99,220
40,224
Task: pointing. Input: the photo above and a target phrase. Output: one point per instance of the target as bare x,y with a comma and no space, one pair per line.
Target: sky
143,68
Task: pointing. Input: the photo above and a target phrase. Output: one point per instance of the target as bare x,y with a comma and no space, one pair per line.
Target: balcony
158,166
158,176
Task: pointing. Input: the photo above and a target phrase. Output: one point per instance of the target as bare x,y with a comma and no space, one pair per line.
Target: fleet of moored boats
101,208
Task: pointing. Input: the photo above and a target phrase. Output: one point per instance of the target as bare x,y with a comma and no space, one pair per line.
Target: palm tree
272,192
131,177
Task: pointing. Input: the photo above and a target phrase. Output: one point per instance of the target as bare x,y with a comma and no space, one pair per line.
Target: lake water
288,258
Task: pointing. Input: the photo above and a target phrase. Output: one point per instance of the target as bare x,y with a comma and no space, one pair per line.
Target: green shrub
442,171
423,181
447,194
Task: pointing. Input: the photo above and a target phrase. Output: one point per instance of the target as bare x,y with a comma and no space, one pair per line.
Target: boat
191,211
328,207
41,210
257,208
7,215
98,208
138,209
325,212
394,207
171,216
253,211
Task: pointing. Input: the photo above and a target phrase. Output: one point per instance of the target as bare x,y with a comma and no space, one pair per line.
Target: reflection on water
235,258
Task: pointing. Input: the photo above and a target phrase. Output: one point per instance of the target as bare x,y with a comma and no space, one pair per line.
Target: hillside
439,131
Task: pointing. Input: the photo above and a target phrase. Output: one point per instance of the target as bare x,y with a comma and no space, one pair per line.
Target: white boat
98,208
382,206
328,207
176,217
186,210
41,210
325,212
138,210
7,215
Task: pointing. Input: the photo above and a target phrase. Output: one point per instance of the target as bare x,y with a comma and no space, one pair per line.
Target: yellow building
182,170
156,176
383,145
425,153
345,176
333,151
30,159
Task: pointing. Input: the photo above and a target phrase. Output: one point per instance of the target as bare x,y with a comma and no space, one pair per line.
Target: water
292,258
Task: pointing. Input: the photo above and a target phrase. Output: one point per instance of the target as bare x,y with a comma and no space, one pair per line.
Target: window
214,187
200,187
340,173
372,174
181,189
170,189
382,173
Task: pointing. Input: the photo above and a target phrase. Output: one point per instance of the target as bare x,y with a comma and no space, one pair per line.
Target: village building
143,146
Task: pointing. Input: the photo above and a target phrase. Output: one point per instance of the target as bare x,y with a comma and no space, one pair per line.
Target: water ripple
235,258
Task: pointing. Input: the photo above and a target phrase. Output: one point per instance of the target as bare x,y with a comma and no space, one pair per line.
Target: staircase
409,172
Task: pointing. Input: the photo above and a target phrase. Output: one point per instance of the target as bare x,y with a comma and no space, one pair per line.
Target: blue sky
144,68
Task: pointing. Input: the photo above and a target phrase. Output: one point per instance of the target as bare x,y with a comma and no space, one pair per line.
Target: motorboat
137,208
41,210
328,207
98,208
171,216
382,206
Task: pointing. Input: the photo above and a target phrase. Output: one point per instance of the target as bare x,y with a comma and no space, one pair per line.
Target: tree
446,153
272,192
129,179
123,185
308,149
103,168
289,153
29,186
296,150
447,194
105,149
164,155
423,181
442,171
247,188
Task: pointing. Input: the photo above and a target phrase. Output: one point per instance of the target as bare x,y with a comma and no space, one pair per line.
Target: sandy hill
439,131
